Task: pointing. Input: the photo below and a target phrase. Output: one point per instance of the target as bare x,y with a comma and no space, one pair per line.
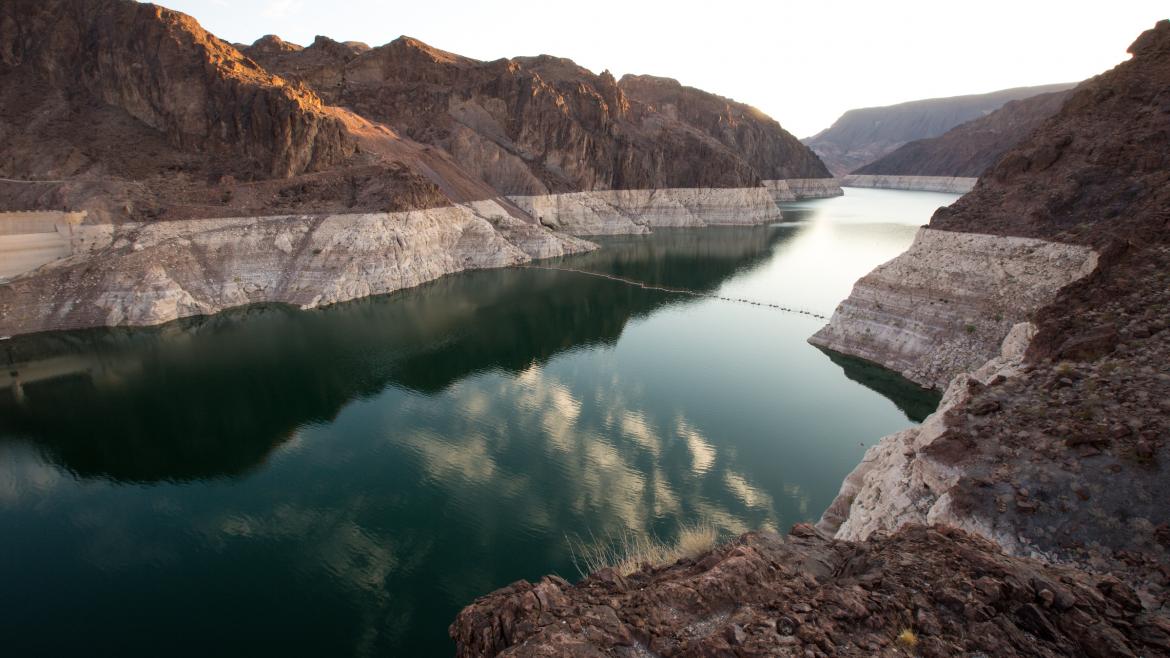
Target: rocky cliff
535,125
864,135
969,149
132,114
1058,447
148,273
1042,475
133,111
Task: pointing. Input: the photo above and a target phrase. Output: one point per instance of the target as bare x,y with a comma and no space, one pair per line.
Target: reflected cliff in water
914,401
225,390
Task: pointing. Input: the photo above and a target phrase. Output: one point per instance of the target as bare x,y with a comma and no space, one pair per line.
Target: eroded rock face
945,184
946,305
164,70
134,112
142,274
639,211
535,125
805,595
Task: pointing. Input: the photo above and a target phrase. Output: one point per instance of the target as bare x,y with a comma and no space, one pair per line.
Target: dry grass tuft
627,552
908,638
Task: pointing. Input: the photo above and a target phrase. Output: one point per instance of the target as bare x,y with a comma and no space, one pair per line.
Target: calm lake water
340,482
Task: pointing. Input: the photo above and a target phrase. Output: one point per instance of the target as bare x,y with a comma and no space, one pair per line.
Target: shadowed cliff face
165,71
93,401
968,149
532,125
133,110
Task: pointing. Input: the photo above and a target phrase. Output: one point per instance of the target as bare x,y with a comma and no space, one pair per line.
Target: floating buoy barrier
677,291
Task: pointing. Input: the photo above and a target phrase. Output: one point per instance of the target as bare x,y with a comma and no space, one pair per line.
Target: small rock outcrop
945,305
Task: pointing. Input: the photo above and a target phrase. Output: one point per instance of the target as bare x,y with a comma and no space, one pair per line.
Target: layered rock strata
148,273
797,189
639,211
947,184
946,305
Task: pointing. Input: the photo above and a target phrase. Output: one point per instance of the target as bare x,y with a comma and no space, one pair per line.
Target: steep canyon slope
535,125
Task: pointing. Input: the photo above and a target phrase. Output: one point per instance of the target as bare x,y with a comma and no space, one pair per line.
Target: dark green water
341,482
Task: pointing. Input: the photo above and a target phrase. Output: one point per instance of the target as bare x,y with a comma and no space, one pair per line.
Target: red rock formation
163,69
532,125
133,110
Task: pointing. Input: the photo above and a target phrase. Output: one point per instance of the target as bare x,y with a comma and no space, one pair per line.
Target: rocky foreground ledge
921,591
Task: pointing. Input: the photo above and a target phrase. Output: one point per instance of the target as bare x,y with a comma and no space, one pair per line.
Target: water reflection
916,402
212,396
345,480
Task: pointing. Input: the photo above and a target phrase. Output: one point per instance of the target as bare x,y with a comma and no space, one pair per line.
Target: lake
341,482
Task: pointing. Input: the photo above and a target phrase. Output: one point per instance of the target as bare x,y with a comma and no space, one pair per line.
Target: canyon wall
946,304
639,211
1056,447
538,125
149,273
946,184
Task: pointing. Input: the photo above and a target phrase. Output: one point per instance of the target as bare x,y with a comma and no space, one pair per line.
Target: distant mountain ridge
969,149
534,125
864,135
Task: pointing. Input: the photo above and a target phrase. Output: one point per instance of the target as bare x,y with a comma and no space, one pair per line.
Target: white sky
803,63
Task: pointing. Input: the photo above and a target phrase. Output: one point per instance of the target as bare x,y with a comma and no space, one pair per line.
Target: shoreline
141,274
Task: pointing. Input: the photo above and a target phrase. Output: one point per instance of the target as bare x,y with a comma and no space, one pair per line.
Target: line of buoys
678,291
